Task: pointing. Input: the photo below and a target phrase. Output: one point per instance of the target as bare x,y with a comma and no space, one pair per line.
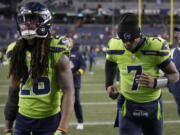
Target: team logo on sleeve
165,46
64,41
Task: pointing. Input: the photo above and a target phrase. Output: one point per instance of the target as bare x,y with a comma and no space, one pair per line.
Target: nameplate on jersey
56,49
115,52
155,53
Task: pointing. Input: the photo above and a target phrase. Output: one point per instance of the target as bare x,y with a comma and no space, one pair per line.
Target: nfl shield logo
127,36
133,58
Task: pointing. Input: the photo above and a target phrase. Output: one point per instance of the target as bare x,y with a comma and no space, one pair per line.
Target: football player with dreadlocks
139,59
40,74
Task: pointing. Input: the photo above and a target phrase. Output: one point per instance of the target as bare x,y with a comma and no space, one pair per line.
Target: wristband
160,82
155,82
7,130
63,129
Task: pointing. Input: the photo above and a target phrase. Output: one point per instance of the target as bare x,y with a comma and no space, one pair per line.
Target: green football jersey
44,98
153,53
1,55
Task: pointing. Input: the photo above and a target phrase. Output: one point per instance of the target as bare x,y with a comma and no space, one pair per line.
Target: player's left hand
77,73
10,133
145,80
112,92
59,132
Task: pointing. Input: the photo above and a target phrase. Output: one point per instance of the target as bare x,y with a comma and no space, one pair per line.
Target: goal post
171,15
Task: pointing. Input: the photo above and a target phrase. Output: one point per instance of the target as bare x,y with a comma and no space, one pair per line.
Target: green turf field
99,110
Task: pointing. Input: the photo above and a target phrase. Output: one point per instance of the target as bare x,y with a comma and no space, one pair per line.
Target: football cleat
80,126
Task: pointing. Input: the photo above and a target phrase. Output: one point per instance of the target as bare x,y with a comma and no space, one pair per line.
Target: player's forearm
11,107
172,77
8,125
67,109
171,72
167,79
110,71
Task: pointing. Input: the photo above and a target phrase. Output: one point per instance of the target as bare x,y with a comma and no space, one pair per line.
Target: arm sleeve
164,54
11,107
82,62
110,71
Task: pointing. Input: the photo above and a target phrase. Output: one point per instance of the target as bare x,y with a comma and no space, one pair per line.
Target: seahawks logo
127,36
165,46
64,41
24,10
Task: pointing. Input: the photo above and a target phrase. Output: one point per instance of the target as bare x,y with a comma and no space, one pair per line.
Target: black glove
77,73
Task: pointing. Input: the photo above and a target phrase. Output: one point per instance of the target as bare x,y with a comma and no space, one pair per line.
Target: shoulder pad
157,40
10,48
165,46
158,43
61,40
115,44
64,41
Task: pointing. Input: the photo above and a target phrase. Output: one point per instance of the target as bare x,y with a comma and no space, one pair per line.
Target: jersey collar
141,42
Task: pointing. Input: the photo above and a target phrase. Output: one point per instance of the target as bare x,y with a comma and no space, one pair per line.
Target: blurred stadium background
91,23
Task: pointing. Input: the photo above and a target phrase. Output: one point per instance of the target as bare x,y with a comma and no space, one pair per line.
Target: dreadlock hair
39,59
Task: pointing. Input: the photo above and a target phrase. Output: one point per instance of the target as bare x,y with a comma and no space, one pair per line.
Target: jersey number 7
138,70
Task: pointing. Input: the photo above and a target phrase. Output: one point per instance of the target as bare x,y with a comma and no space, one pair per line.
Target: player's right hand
145,80
59,132
112,92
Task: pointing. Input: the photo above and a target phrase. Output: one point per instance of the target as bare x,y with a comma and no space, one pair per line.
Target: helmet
128,28
37,16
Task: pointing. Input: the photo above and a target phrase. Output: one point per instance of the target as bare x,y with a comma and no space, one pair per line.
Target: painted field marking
106,103
109,123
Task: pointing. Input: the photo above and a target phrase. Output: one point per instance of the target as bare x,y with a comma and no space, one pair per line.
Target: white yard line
4,81
112,103
106,103
1,125
4,86
83,85
3,93
110,123
2,105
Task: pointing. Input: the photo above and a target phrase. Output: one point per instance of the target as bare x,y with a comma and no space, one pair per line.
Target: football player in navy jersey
175,55
78,68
